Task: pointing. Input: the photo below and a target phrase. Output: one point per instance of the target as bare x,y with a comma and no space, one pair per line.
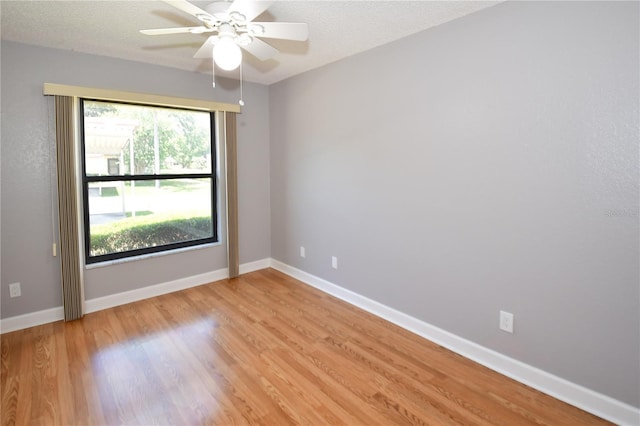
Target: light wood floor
262,348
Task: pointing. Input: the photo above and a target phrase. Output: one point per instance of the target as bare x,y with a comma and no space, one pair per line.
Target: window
149,179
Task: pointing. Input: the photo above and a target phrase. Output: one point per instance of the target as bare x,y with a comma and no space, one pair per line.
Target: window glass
149,183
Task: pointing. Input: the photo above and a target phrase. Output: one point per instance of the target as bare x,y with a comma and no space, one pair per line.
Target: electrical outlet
302,252
14,290
334,262
506,321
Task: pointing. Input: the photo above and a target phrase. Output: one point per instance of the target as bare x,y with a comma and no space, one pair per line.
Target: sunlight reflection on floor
133,376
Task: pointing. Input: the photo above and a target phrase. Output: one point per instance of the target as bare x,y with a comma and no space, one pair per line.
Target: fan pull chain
241,102
213,72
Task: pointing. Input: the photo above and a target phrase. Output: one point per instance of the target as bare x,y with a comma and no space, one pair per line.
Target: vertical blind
71,274
231,168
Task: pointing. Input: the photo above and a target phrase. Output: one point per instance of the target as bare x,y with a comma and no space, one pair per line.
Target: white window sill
149,256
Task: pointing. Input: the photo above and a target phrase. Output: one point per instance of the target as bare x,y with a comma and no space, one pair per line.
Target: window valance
143,98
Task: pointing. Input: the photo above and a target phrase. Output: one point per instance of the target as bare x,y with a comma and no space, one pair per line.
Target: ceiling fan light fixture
231,21
227,54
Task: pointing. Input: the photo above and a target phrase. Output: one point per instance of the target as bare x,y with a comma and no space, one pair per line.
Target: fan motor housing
218,10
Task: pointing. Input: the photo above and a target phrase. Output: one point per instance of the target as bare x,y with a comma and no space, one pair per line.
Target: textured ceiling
337,29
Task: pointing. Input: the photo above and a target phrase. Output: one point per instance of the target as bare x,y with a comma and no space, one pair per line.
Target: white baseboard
55,314
118,299
245,268
112,300
19,322
564,390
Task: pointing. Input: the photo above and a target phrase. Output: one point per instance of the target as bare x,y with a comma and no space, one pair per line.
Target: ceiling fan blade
282,30
260,49
161,31
206,50
249,8
187,7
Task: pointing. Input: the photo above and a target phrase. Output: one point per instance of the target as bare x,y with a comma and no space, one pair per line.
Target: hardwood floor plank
262,348
71,338
10,395
411,383
319,393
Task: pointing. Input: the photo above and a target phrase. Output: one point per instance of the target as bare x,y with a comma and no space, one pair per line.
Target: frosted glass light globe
227,54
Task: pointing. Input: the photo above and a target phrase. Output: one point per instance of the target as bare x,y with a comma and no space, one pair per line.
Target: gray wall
489,163
27,136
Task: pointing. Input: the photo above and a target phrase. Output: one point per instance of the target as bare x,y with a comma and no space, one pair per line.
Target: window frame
86,180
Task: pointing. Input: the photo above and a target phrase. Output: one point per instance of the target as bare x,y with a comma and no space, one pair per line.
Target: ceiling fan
233,28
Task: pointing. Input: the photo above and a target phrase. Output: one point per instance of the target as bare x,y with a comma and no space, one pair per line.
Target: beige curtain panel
68,209
231,168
